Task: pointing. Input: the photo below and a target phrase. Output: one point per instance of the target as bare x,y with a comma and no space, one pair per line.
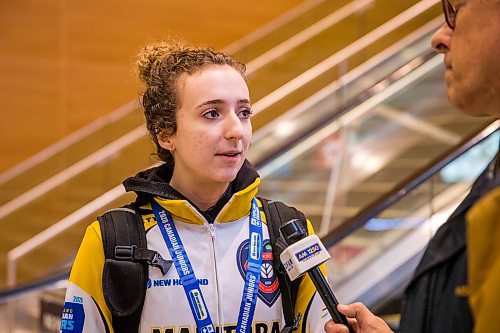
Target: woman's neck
203,197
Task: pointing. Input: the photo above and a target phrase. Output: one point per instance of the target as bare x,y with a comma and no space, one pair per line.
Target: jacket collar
233,205
235,209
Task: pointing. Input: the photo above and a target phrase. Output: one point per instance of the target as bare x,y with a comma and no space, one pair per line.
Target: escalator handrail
352,76
21,250
40,284
353,103
342,55
349,225
69,140
132,105
90,161
410,183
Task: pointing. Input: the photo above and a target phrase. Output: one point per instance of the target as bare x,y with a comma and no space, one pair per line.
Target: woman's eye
212,114
246,113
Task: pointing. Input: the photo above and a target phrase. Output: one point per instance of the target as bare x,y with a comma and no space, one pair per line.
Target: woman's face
213,127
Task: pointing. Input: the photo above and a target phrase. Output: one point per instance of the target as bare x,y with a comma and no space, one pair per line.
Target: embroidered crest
268,285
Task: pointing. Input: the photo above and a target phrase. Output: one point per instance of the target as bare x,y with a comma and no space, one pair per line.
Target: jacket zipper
211,229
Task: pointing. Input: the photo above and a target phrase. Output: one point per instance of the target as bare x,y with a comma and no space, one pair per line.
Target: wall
64,63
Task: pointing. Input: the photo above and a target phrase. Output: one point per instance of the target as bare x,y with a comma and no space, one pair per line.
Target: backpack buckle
125,252
162,264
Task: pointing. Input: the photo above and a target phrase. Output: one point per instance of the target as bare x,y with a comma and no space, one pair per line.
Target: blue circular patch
268,286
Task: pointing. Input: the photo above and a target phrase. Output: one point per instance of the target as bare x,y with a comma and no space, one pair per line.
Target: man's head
472,55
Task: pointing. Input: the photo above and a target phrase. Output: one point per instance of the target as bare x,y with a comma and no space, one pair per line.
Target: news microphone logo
308,253
304,254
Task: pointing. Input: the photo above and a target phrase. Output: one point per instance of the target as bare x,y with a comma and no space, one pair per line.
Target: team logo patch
73,317
268,285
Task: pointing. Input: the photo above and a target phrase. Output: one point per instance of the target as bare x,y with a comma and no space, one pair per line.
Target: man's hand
361,320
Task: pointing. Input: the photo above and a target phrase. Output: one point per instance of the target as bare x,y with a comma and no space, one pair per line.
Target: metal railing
132,105
15,254
342,55
30,245
420,176
401,190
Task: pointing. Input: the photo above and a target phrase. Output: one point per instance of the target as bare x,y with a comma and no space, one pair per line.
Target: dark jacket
436,297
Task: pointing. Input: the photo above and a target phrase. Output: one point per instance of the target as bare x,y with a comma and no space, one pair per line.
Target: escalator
354,155
374,253
47,207
376,175
378,248
309,27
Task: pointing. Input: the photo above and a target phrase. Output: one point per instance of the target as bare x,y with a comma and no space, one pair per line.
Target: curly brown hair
160,65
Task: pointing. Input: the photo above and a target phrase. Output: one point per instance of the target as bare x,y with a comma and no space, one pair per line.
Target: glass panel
367,258
365,265
90,174
37,310
351,162
339,94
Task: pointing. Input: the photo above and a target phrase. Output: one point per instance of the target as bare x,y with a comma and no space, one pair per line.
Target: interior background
65,63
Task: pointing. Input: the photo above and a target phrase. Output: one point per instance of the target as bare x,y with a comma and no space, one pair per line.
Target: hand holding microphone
304,254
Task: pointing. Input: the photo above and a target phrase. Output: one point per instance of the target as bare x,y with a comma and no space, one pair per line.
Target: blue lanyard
190,282
252,278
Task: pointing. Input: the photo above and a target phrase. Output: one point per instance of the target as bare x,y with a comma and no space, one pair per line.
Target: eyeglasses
450,13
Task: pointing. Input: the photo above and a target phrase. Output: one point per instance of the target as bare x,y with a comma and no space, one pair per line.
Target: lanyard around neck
190,282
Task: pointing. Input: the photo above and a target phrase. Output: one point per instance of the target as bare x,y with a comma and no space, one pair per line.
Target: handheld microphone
304,254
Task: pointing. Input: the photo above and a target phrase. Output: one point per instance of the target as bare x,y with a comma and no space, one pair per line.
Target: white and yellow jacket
216,250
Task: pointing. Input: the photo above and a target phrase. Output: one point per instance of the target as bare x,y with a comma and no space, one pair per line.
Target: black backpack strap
277,213
126,263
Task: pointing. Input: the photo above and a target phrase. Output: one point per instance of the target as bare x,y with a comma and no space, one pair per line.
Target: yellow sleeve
87,269
483,251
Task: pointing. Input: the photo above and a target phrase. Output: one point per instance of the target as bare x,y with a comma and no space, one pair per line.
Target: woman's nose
233,127
441,39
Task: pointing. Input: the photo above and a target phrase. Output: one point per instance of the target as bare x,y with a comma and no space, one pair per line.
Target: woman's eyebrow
244,101
220,101
211,102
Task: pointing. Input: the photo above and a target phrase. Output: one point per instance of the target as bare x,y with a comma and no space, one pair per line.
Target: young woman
197,109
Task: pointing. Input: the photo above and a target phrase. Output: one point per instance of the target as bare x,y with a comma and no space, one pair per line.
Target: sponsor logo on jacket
171,282
269,285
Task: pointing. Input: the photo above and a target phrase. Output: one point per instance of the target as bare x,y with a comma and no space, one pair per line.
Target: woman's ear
166,142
